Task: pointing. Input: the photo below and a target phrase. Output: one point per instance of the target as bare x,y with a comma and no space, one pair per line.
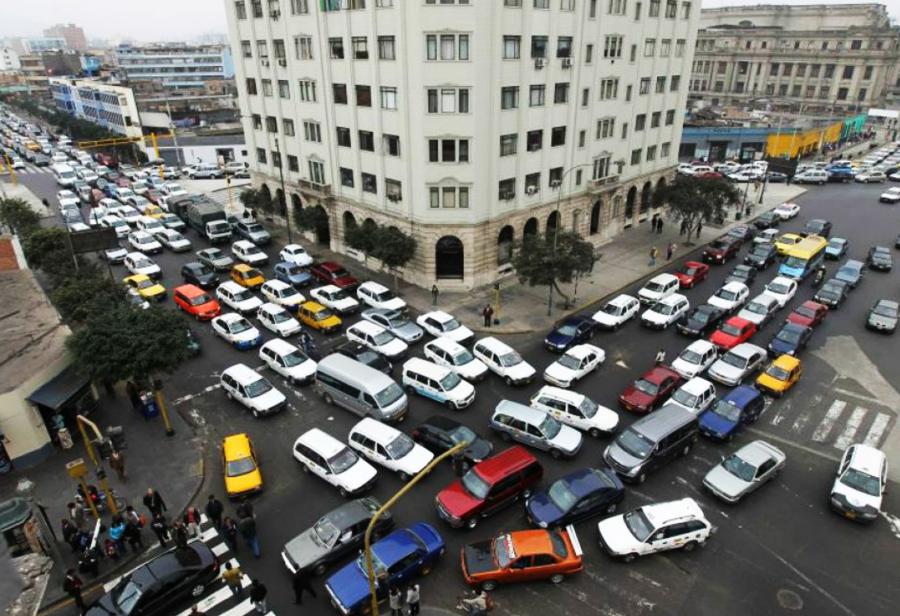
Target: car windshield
756,308
797,262
127,598
241,466
663,308
258,388
342,461
462,434
243,295
450,381
139,263
611,309
280,316
883,310
656,287
501,551
400,447
214,253
789,334
760,252
690,356
731,329
462,358
567,361
777,372
830,290
293,270
805,312
475,485
733,359
449,326
145,284
323,314
863,482
738,467
645,386
325,532
294,358
635,444
510,359
550,427
567,330
388,395
588,408
836,244
201,299
561,495
638,524
683,397
728,296
727,410
688,270
382,338
384,296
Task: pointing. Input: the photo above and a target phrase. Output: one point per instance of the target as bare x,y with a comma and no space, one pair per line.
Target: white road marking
876,430
621,364
801,421
827,423
894,523
187,397
846,437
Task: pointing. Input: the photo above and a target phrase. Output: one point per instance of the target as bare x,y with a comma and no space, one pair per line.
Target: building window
671,9
388,98
644,86
311,131
557,136
262,50
685,10
366,140
605,128
829,71
564,47
308,91
516,4
588,53
267,87
391,145
448,100
651,153
316,172
636,157
814,70
861,95
448,150
276,158
360,47
299,7
542,4
336,46
511,46
369,183
665,48
508,144
251,86
675,84
655,118
346,177
555,177
257,121
386,49
534,140
532,183
585,97
278,49
561,93
343,136
538,46
649,48
536,96
384,4
506,189
303,48
609,88
448,196
654,8
867,74
612,46
628,93
639,121
509,97
363,96
246,49
632,56
842,94
340,93
582,137
660,85
795,90
679,48
447,47
271,124
261,156
670,117
664,150
256,8
240,9
393,189
848,73
293,163
284,89
447,1
287,125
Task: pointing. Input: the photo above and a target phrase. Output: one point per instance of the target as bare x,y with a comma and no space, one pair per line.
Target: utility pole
179,159
287,211
556,234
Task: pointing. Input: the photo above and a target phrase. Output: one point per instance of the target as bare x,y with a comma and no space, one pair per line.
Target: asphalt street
780,551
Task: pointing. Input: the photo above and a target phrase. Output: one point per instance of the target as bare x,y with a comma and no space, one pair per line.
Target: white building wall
9,59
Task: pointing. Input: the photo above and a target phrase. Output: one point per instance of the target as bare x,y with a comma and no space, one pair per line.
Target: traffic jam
743,353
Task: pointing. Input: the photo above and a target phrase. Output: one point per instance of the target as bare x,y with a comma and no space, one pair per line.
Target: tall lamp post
559,188
287,210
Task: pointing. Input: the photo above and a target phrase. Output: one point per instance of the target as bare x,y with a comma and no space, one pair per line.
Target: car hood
349,585
616,536
877,319
855,498
478,558
716,424
103,606
726,371
303,549
559,373
718,302
780,347
621,457
243,483
606,319
568,440
270,399
799,319
456,500
407,331
357,475
556,338
634,396
522,370
724,482
478,450
541,509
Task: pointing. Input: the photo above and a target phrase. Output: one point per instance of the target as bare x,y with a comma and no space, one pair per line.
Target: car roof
663,279
242,373
562,394
321,442
673,298
888,303
423,366
520,411
622,299
745,348
658,373
696,385
232,286
272,307
788,362
374,286
442,422
438,315
242,267
312,306
580,351
738,322
763,298
584,481
754,453
274,283
494,344
734,285
351,513
244,244
700,345
812,305
237,445
190,290
532,541
507,461
396,546
575,319
374,429
663,513
446,344
277,345
742,395
867,459
367,327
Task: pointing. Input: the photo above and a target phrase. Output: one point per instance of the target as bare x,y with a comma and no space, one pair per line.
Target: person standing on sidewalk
434,294
117,463
654,252
301,584
191,519
247,528
653,223
412,599
670,251
72,584
395,601
699,229
154,502
232,577
258,592
132,535
659,225
214,511
488,314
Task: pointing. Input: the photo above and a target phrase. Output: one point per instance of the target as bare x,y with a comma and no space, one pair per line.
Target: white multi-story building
463,123
110,106
175,66
9,59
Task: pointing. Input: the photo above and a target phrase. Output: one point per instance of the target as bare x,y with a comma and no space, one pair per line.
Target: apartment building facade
73,35
175,68
112,107
465,124
817,58
9,59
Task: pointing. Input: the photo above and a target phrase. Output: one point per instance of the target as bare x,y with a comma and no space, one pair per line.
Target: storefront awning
13,513
60,389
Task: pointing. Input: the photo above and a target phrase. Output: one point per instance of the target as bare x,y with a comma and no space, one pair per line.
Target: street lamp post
287,210
559,188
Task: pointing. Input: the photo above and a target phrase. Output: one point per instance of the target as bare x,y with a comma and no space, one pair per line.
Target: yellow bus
804,257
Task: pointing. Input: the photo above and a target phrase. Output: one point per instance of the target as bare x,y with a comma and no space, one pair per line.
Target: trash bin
65,438
148,405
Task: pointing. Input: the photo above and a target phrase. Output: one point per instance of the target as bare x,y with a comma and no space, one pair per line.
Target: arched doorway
552,222
629,203
449,258
531,227
280,203
505,245
349,222
660,184
646,193
321,226
576,221
265,196
595,217
296,205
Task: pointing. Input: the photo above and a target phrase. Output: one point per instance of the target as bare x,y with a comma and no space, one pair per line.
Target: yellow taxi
785,241
780,376
246,276
154,211
241,468
145,286
318,317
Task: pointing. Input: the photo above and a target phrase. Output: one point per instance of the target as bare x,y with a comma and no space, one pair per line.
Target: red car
649,391
733,332
722,249
196,302
690,273
330,272
489,486
809,314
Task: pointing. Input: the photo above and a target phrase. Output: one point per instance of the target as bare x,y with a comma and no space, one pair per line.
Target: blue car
836,248
569,332
726,417
584,494
292,274
790,339
398,558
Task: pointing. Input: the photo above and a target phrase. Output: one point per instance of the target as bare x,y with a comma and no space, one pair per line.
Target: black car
769,220
578,496
199,274
163,586
883,316
880,259
762,256
336,534
745,274
851,272
365,355
832,293
897,242
439,433
569,332
817,226
745,233
701,320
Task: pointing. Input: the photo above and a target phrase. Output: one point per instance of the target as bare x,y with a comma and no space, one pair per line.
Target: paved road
780,551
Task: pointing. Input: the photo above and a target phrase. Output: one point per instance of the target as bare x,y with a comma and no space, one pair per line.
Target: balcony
604,184
323,191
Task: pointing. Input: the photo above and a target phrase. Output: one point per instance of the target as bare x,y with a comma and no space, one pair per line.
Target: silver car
514,421
744,471
395,322
215,258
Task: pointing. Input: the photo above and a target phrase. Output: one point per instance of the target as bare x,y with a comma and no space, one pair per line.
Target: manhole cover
789,600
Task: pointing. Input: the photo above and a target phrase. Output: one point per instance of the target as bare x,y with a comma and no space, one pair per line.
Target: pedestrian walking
133,394
395,601
653,223
654,252
214,511
160,529
301,584
659,225
77,516
117,463
247,528
72,585
232,577
488,314
132,535
133,516
245,509
117,533
154,502
70,534
191,519
670,251
434,294
180,533
258,592
229,531
660,357
412,599
684,228
699,228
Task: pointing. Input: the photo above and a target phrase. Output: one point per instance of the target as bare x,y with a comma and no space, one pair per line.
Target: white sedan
121,227
66,198
730,296
389,447
579,361
296,254
288,361
139,263
695,358
891,195
277,320
786,211
617,311
782,289
439,323
236,330
378,296
281,293
665,312
249,253
144,242
334,297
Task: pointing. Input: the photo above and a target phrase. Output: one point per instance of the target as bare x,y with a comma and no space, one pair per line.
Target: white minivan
437,382
255,392
389,447
576,410
64,174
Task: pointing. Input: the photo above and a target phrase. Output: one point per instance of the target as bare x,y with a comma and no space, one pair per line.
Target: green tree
691,200
312,219
393,248
91,292
549,260
16,214
47,249
363,237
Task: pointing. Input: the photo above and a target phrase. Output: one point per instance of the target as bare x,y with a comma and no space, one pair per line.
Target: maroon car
690,273
330,272
808,314
722,249
649,391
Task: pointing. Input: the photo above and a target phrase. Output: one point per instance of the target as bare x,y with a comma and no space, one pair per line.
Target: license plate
850,515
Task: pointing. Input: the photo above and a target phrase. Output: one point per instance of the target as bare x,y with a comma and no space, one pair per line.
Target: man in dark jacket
154,502
258,592
72,584
214,511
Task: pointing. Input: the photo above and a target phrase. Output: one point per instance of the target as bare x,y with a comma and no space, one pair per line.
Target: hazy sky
182,19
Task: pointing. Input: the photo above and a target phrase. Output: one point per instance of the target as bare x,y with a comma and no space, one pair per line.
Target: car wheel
256,413
305,468
556,453
611,508
594,432
451,406
488,586
690,546
642,478
508,381
556,578
730,437
328,399
343,493
228,395
403,477
197,590
526,494
425,570
472,522
629,558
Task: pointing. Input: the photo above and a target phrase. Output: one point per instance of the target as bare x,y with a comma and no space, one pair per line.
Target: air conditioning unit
282,61
531,190
506,196
264,62
275,14
567,62
540,63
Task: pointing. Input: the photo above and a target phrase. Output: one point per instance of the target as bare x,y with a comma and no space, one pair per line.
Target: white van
387,446
438,383
576,410
252,390
288,361
64,174
360,389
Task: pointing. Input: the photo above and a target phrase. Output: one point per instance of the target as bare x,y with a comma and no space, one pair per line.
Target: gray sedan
395,322
744,471
215,258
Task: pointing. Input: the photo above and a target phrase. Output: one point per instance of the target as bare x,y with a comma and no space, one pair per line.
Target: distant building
34,72
177,68
73,35
9,59
110,106
38,44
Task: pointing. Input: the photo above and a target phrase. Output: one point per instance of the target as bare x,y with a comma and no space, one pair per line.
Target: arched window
646,193
504,245
531,227
449,258
595,217
552,222
349,222
629,203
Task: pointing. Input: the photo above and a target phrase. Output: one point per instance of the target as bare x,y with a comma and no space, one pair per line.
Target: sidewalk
173,465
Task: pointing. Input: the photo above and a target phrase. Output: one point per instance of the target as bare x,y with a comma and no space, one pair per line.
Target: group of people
654,253
396,598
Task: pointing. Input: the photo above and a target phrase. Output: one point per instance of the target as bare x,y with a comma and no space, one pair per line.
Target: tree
549,260
16,214
251,198
47,249
363,237
312,219
393,248
691,199
91,292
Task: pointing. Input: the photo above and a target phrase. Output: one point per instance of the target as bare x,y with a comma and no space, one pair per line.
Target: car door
763,473
502,493
406,568
570,413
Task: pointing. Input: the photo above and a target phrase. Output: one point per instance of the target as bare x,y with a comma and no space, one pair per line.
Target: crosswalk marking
876,430
846,437
825,426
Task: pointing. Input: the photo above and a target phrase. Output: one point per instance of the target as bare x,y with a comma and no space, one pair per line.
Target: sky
148,20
